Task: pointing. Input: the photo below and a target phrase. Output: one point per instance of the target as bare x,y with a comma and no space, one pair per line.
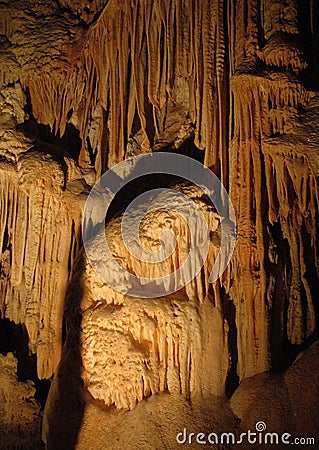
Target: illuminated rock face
85,86
134,347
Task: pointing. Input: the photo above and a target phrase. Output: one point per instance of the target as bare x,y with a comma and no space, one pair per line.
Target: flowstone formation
86,85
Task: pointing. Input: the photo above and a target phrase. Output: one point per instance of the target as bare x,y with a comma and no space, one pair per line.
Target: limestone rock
85,85
20,417
282,401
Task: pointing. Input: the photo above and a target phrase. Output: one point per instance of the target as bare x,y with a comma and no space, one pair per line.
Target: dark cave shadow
66,402
283,352
69,143
144,183
14,338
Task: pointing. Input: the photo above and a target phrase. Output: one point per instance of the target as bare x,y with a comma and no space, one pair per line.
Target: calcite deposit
86,85
20,416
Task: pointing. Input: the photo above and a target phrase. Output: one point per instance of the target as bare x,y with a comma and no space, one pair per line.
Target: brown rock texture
284,400
86,85
20,418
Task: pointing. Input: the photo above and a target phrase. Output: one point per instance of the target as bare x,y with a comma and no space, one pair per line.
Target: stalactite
263,108
222,100
123,54
156,345
36,242
298,213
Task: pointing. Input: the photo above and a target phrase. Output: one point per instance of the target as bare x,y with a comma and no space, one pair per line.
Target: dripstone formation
86,85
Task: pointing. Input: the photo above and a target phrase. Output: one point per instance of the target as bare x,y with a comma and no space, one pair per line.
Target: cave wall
85,87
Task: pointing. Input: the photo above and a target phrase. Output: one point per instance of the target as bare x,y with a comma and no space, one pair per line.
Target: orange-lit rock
85,85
